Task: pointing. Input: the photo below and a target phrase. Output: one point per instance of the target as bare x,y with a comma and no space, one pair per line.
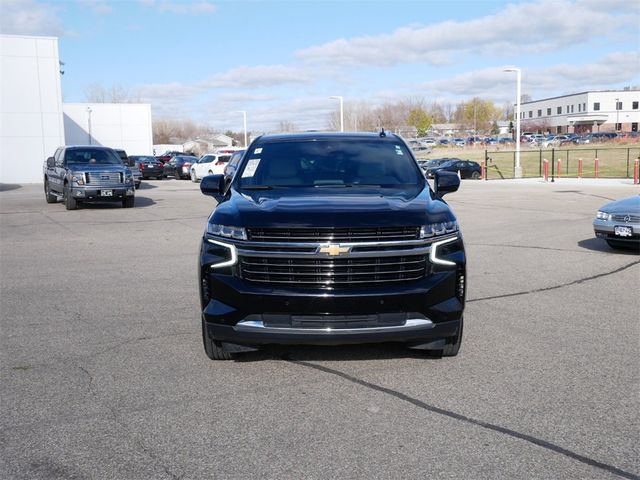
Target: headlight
78,178
603,216
434,229
224,231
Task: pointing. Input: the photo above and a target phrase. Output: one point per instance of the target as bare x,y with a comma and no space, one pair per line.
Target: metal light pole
518,168
341,111
617,114
244,121
89,122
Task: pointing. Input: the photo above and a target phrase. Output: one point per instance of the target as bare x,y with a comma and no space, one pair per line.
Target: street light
518,169
244,119
617,114
341,111
89,122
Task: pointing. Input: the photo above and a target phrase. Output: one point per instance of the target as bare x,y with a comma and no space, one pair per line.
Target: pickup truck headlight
435,229
603,216
225,231
78,178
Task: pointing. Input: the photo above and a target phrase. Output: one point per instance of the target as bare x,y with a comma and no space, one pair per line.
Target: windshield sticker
399,150
250,169
257,151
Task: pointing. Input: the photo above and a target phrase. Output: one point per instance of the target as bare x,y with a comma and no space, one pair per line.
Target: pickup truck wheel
69,202
47,193
453,343
213,348
128,202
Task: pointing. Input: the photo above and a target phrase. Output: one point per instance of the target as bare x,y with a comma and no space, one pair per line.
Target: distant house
444,129
204,145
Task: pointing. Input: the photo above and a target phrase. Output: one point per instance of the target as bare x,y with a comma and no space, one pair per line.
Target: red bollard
559,169
636,171
596,168
483,171
545,169
579,168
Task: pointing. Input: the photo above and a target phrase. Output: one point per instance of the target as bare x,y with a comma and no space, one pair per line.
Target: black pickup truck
85,174
329,238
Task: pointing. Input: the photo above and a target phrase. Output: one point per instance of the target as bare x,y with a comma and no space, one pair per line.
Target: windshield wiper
256,187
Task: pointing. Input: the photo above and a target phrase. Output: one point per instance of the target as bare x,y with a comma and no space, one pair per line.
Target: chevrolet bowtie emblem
334,249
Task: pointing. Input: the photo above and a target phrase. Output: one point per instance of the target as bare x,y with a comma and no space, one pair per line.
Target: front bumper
96,194
606,229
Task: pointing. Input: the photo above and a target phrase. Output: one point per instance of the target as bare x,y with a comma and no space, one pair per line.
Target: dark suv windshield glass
92,156
331,162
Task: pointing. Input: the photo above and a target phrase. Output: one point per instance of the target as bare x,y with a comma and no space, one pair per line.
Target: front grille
626,218
333,272
334,234
104,178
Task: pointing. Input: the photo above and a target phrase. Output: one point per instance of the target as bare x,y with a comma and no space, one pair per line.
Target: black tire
47,193
128,202
213,348
475,175
137,186
453,343
159,177
69,202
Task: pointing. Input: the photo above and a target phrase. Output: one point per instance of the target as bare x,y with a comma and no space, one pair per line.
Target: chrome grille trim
334,234
96,178
621,218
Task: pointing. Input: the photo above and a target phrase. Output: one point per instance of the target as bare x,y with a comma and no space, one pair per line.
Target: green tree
421,120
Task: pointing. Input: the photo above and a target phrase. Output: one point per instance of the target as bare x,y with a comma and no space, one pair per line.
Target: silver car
619,223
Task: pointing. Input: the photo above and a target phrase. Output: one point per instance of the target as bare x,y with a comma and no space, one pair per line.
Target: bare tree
96,93
286,126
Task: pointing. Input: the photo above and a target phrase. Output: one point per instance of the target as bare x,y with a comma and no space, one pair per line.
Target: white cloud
606,72
99,7
258,76
515,30
181,7
29,17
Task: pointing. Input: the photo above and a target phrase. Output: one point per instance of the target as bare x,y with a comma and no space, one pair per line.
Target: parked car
210,164
87,174
618,223
467,169
232,165
148,165
429,142
137,175
459,142
327,239
506,141
179,166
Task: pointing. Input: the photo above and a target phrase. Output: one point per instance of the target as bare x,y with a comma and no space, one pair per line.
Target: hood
624,205
331,207
87,167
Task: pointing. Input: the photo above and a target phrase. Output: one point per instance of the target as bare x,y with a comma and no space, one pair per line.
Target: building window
634,127
596,106
618,127
530,113
634,105
618,105
571,108
539,113
584,107
559,110
548,111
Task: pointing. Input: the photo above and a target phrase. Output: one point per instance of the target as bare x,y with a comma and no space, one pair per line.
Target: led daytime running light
231,248
434,252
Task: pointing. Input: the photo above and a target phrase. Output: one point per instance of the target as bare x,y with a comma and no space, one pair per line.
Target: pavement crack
463,418
528,247
556,287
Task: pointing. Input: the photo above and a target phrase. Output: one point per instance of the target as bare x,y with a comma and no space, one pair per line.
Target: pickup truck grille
333,272
330,234
104,178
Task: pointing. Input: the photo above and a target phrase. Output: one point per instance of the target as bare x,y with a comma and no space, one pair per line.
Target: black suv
83,174
331,239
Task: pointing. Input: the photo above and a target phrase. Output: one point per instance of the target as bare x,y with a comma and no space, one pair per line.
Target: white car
210,164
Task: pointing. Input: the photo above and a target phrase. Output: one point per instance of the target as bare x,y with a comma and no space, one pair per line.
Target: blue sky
280,61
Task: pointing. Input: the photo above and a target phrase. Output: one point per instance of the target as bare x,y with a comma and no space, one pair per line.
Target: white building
31,126
115,125
604,111
34,121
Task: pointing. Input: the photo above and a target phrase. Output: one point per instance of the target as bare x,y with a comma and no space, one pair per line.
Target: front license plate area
623,231
106,193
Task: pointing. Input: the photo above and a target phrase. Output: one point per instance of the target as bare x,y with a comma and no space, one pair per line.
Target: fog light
130,191
78,193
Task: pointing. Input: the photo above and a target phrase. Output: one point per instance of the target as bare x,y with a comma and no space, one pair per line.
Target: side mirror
214,186
446,182
51,162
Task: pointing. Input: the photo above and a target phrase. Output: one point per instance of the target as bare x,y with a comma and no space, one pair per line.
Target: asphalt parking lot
104,375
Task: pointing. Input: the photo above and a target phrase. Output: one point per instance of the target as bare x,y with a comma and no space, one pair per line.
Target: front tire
69,202
47,193
128,202
452,346
213,348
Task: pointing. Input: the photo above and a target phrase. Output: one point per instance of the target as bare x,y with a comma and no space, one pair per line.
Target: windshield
450,163
92,156
330,162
